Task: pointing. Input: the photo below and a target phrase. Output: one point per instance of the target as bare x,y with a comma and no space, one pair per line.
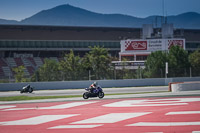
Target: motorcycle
98,92
26,89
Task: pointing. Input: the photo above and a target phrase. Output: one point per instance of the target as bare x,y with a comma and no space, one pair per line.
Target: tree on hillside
178,62
49,71
98,61
194,60
71,67
155,64
19,74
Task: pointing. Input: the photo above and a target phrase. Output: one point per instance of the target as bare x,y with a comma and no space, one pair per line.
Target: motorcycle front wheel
101,94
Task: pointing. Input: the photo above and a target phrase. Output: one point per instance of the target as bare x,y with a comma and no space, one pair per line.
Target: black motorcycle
98,92
26,89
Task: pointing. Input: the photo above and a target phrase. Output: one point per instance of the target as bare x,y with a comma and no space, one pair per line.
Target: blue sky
21,9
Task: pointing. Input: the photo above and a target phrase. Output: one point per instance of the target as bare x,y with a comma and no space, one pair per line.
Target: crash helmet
95,83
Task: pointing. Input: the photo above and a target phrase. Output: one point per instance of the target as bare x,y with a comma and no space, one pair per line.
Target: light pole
166,69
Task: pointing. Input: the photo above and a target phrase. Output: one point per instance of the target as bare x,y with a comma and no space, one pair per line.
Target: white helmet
95,83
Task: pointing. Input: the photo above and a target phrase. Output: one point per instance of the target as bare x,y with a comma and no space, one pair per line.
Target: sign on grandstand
16,55
150,45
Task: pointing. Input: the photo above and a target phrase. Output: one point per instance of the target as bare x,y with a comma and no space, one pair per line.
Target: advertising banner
150,45
135,45
173,42
155,45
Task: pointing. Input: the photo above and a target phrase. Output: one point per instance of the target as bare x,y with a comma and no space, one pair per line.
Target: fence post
89,74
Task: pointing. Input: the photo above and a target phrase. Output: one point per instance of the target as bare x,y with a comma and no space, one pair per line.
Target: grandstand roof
32,32
41,32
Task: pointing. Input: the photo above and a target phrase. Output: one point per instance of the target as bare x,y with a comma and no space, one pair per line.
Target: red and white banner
135,45
175,43
151,45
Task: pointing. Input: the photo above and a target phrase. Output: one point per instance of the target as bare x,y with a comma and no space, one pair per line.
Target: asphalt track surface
129,115
81,91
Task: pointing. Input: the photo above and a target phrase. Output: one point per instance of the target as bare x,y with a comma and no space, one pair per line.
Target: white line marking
183,112
153,132
68,105
125,103
175,100
75,126
62,106
111,118
15,109
165,124
155,102
37,120
195,131
6,106
141,103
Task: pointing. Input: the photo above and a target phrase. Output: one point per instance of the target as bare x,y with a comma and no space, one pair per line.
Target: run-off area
147,115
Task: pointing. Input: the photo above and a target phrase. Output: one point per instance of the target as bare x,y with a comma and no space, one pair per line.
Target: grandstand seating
30,64
30,70
26,72
2,62
31,61
54,58
26,62
7,71
1,72
38,61
18,61
11,62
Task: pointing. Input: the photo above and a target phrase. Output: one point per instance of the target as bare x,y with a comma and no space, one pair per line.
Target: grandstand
28,45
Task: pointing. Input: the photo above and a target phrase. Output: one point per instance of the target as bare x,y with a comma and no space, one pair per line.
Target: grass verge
20,98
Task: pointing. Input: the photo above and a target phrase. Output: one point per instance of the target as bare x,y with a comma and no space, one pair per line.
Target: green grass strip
20,98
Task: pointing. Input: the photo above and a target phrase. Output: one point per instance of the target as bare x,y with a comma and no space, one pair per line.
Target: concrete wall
103,83
187,86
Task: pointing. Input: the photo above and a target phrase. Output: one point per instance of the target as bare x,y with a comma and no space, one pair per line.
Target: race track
130,115
81,91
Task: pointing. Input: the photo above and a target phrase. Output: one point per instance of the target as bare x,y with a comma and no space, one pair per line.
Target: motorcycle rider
94,90
27,89
28,86
93,87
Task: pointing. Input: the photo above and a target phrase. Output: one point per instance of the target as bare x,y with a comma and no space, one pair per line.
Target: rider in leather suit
93,87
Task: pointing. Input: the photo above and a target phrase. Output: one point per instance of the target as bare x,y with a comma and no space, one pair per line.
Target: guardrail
103,83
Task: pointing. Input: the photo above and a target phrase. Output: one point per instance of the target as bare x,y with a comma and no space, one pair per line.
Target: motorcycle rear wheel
30,90
85,95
